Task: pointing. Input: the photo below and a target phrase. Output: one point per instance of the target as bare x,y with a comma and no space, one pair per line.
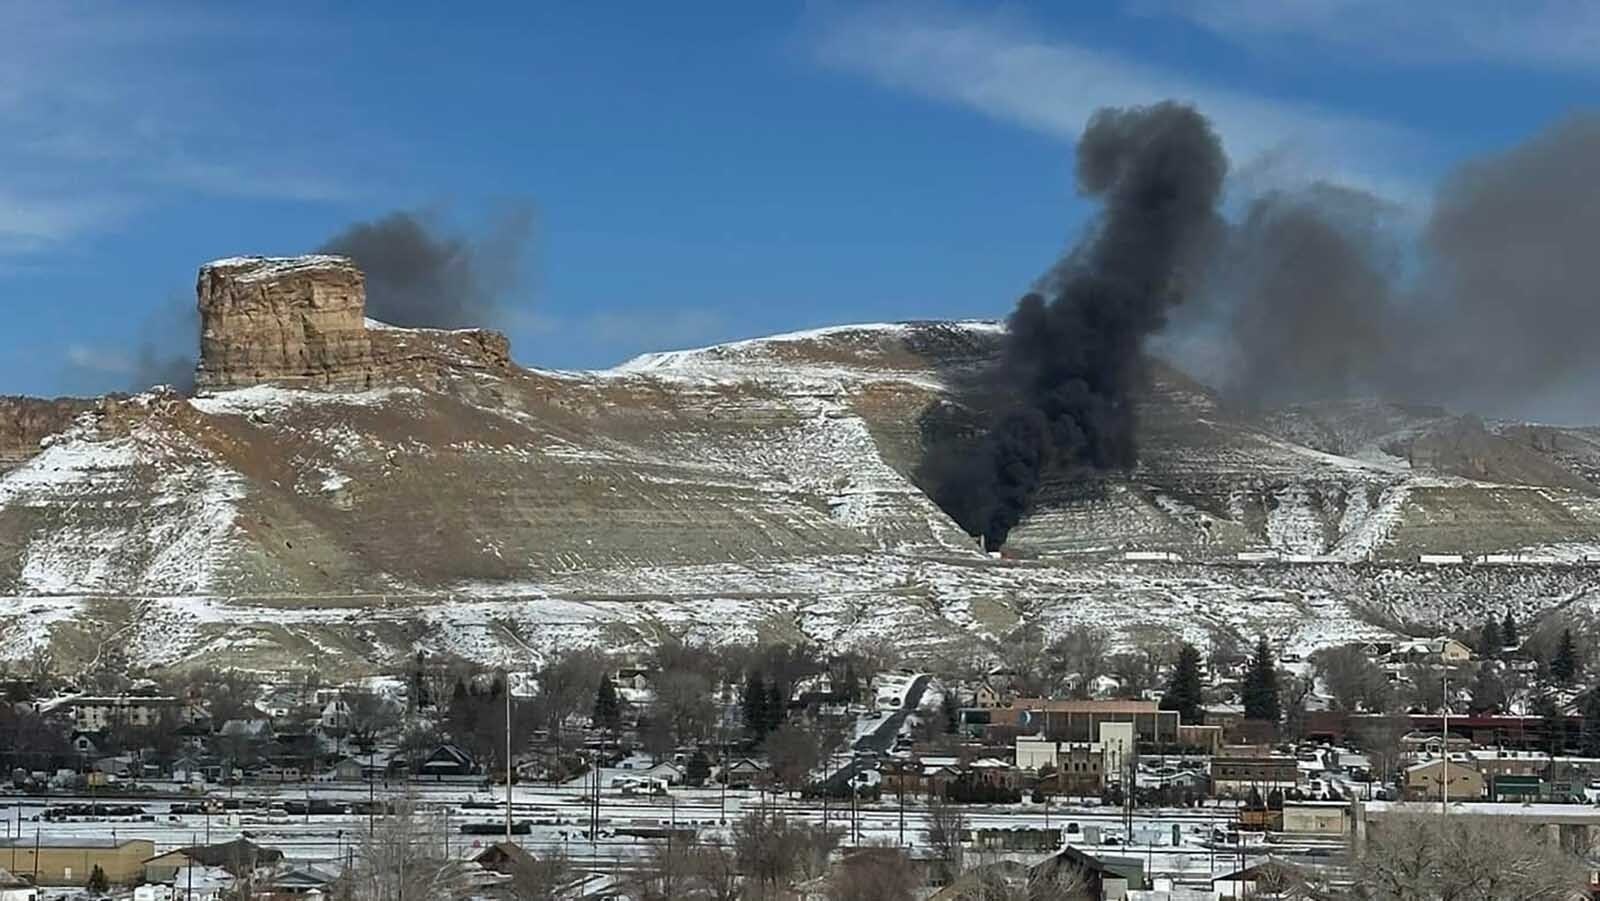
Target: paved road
881,739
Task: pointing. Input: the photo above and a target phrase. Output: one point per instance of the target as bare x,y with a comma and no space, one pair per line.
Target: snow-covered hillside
760,487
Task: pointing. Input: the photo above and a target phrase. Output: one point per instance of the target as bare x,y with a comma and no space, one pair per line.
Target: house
307,883
87,744
348,769
1447,651
69,861
272,773
1418,744
335,715
448,760
744,772
237,858
1270,878
503,857
91,713
15,889
1435,780
990,695
249,730
1075,874
667,772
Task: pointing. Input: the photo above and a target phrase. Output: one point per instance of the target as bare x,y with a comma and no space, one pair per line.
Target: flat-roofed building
1080,721
69,861
1236,776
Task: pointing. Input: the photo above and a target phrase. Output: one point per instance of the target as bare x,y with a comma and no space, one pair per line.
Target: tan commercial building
1427,781
1316,817
70,861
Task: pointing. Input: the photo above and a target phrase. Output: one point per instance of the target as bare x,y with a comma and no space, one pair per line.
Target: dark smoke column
1073,359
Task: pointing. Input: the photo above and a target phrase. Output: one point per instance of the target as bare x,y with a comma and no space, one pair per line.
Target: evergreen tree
698,769
755,705
777,706
1564,666
1508,632
1184,692
1488,692
951,711
1589,742
607,707
1261,685
98,883
1554,722
1489,638
850,685
419,685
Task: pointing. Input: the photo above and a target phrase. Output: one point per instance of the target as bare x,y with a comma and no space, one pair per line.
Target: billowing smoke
418,277
1299,300
1490,306
1073,355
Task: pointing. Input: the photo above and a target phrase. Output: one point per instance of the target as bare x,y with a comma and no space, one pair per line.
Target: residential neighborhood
1140,771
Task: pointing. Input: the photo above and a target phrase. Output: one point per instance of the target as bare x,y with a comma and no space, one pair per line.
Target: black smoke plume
1073,353
1491,306
419,277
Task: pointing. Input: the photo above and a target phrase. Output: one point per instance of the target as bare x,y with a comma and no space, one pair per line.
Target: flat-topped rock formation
300,322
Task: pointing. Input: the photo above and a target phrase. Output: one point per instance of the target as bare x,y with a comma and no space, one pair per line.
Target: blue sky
697,171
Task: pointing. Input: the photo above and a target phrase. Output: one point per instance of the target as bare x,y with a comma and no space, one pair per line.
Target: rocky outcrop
297,321
26,421
300,322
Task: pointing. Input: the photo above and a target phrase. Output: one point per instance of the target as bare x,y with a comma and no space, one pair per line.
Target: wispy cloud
1013,71
109,107
1540,34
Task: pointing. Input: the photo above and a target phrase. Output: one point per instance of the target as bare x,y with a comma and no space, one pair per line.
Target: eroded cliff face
300,322
26,421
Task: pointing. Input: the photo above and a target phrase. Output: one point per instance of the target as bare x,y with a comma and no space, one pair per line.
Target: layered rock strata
300,322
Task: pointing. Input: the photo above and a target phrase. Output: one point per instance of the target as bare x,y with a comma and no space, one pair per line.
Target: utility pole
508,754
900,777
1444,708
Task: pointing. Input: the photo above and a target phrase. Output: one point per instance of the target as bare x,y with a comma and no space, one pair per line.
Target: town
779,771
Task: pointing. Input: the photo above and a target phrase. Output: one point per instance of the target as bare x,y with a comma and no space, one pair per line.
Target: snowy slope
764,487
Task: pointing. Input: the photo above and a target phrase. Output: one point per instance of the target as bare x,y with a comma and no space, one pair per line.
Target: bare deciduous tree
873,874
403,856
1412,856
540,878
1006,884
773,851
1077,659
1354,681
947,826
794,752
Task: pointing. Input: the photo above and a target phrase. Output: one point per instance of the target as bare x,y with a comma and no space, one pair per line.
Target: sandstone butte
300,322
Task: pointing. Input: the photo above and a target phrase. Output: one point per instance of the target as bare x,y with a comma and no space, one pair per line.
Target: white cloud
1544,34
1013,72
99,359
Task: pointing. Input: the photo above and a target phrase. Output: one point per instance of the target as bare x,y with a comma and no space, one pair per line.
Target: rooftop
46,841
